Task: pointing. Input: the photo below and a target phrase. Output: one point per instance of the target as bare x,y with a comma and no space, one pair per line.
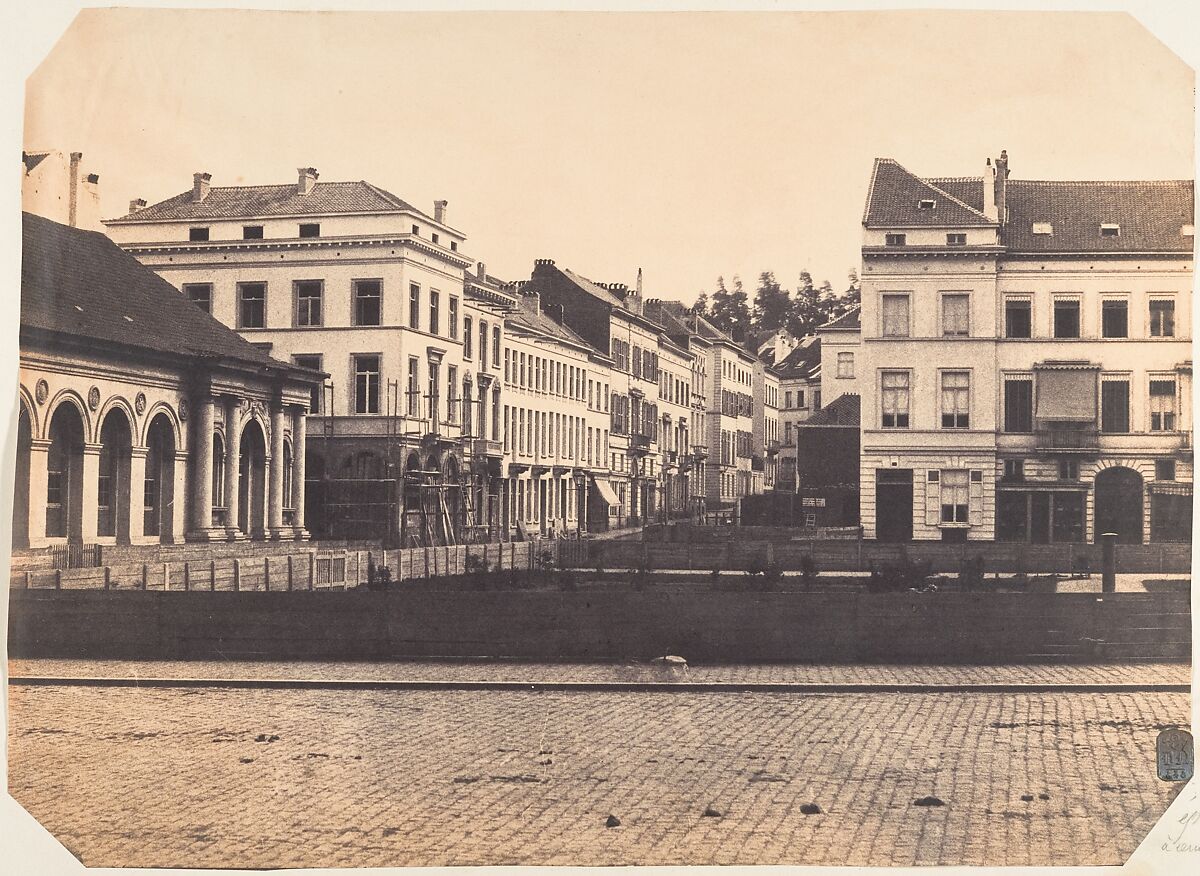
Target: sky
690,145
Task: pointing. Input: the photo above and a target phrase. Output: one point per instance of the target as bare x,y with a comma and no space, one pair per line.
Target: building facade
1025,358
142,420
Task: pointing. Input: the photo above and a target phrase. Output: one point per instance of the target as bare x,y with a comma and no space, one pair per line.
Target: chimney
73,192
989,192
481,268
639,282
136,204
306,179
439,211
200,183
1001,186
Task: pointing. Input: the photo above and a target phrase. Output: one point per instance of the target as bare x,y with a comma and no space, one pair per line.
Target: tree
771,304
805,313
700,308
729,310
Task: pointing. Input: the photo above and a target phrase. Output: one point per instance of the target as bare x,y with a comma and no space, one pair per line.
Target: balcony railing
1185,442
1068,440
773,448
700,451
639,443
486,447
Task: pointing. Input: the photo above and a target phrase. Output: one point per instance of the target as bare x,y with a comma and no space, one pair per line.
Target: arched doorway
411,530
64,475
252,481
20,530
1119,493
112,491
454,501
159,488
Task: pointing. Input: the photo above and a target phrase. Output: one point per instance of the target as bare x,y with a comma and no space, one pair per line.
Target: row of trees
776,307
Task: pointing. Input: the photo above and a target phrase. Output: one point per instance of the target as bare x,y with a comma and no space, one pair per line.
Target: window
416,230
467,354
454,246
956,240
956,399
310,229
1018,318
1018,405
1162,318
313,361
926,204
1114,405
366,384
252,232
1164,469
434,237
308,302
367,302
434,307
1110,229
895,397
218,471
434,391
1043,228
414,306
454,317
252,305
1114,319
956,316
895,239
1162,405
483,342
1068,470
413,394
787,399
845,364
1014,469
496,345
200,294
197,234
451,393
1066,318
955,498
895,316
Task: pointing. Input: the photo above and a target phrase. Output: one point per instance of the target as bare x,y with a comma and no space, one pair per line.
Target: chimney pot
439,211
200,185
481,270
306,179
137,204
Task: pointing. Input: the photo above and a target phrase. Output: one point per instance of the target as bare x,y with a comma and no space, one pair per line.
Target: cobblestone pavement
293,778
501,670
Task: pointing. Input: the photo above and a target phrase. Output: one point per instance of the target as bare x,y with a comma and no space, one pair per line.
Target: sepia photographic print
635,438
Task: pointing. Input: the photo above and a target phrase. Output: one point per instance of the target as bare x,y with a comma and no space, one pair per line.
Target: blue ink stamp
1175,755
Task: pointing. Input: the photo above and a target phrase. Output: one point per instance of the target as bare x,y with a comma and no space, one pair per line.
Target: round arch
178,433
1119,504
116,402
115,475
252,479
29,406
159,488
66,430
71,397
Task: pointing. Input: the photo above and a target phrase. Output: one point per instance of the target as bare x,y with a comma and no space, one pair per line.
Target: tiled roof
593,288
234,202
894,196
33,159
531,316
1151,215
804,360
80,283
850,320
845,410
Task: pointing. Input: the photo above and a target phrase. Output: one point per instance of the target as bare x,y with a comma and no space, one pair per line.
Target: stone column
275,475
233,453
137,494
89,509
39,466
299,425
202,464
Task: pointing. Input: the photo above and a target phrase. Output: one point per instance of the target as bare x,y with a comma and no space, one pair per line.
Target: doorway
1119,504
894,504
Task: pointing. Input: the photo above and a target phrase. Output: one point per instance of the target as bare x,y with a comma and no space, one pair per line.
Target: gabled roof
803,361
894,196
530,315
33,159
80,283
848,321
593,288
234,202
1151,215
845,410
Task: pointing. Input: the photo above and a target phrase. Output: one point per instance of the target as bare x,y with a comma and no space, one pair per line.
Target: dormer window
1043,228
1110,229
896,239
926,204
1188,231
956,239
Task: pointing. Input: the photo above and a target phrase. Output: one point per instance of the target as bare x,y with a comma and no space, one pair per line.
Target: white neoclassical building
142,419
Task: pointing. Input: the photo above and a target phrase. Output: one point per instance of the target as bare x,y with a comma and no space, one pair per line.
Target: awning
1066,392
607,493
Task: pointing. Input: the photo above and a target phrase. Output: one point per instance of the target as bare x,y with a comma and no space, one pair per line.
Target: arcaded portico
134,431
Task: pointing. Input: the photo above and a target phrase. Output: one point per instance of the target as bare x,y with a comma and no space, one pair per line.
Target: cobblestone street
290,778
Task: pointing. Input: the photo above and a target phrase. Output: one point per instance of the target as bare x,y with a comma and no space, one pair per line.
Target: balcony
672,457
700,452
485,447
639,443
1068,440
1185,444
773,448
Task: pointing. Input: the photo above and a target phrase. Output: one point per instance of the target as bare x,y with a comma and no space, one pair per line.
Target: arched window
218,471
287,476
